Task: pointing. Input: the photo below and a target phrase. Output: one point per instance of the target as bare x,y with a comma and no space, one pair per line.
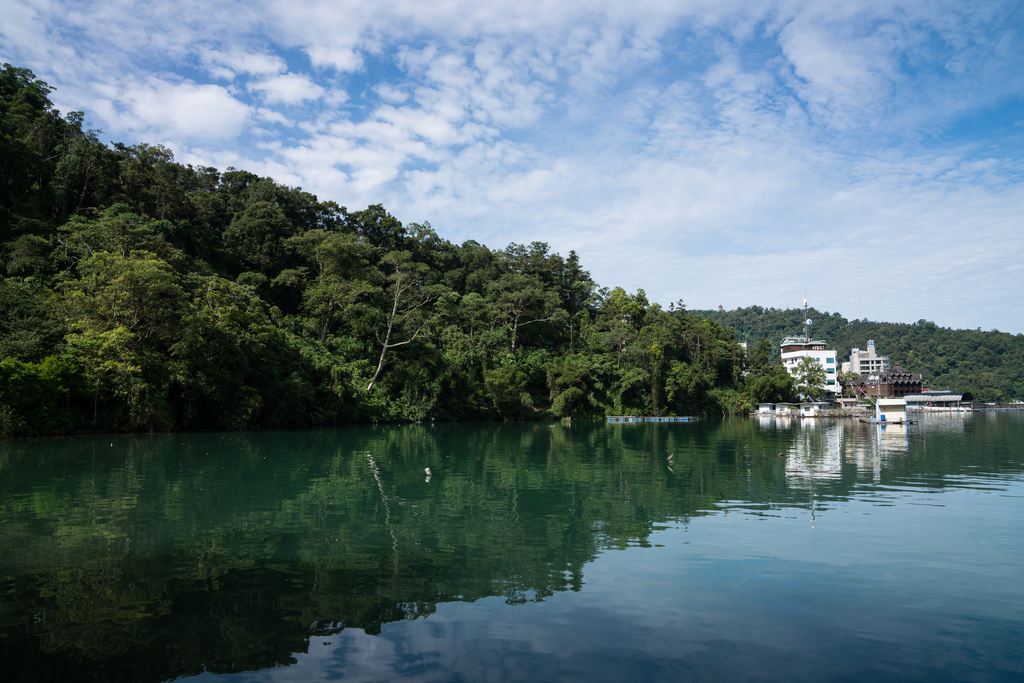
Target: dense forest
989,364
141,294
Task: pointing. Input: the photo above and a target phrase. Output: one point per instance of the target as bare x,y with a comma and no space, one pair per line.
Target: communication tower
807,323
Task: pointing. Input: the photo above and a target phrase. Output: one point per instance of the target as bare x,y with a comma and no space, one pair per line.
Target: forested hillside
138,293
989,364
142,294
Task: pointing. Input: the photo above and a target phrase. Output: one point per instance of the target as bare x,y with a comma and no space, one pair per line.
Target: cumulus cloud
227,64
271,116
390,93
172,110
288,89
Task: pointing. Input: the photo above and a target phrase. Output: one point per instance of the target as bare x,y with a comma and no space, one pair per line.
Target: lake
752,549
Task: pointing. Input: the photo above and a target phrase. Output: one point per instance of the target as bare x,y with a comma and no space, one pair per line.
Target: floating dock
623,419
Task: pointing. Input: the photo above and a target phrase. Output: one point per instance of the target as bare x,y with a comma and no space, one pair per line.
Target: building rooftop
797,344
939,397
794,340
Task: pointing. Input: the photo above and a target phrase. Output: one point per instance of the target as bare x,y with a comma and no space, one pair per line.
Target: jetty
624,419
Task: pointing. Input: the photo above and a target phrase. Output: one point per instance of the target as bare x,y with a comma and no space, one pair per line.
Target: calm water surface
535,552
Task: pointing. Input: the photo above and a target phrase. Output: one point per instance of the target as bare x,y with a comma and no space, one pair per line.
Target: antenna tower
807,323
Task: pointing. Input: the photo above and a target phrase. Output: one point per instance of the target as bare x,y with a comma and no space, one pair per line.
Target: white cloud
335,97
390,93
288,89
695,148
171,110
271,116
227,64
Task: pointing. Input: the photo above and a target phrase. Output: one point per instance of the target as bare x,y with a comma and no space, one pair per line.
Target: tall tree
810,378
258,234
342,280
407,299
523,300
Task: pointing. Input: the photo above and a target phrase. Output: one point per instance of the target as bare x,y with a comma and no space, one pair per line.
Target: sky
867,155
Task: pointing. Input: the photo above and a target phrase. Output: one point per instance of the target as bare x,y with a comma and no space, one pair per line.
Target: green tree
774,386
523,300
407,300
38,398
810,378
343,279
759,359
766,382
258,234
576,386
30,129
123,314
847,378
112,355
507,388
30,326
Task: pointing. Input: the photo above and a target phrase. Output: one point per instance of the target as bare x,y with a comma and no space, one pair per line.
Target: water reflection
151,557
821,447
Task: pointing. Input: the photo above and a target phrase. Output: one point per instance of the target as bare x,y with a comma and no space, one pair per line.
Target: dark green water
535,552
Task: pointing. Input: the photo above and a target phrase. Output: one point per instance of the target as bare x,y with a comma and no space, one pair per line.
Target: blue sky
865,154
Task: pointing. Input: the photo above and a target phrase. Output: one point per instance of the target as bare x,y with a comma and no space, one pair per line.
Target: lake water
763,550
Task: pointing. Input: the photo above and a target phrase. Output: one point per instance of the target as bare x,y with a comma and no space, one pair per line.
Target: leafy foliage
175,297
810,377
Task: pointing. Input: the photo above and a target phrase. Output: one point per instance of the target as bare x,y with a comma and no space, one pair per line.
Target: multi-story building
866,362
795,349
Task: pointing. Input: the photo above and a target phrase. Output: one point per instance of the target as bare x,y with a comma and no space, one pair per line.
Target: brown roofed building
894,382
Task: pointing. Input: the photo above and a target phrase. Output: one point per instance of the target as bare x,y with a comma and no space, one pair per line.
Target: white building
795,349
892,410
866,362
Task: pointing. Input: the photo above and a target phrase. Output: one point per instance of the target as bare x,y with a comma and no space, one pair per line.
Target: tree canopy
138,293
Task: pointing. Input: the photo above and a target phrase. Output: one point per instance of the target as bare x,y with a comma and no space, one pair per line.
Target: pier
623,419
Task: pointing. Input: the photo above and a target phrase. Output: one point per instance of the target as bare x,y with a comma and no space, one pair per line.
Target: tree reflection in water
168,555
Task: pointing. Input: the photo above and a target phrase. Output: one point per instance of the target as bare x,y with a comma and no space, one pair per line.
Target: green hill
989,364
138,293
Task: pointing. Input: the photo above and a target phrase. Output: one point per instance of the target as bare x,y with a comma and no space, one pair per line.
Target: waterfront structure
893,383
940,401
629,419
866,362
810,409
891,410
795,349
783,408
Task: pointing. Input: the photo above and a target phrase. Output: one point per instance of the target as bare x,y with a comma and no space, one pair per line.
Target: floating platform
623,419
876,421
